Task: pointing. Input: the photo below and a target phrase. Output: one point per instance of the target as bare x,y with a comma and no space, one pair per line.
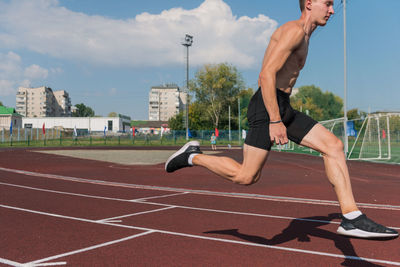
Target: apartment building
63,106
42,102
165,101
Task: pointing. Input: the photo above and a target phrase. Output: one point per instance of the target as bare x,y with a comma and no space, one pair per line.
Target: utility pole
187,42
229,115
239,120
346,140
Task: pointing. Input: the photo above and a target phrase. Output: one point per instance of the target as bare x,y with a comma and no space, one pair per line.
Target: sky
108,54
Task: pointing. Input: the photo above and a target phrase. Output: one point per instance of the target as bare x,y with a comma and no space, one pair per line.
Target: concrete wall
5,121
95,124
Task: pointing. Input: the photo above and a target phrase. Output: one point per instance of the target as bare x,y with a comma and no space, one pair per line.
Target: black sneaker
364,227
180,158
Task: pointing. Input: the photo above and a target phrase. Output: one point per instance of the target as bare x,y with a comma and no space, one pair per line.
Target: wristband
275,122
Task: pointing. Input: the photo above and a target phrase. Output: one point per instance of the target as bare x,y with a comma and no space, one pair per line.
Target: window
110,125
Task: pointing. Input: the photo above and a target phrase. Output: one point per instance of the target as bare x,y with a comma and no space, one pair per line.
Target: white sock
191,159
352,215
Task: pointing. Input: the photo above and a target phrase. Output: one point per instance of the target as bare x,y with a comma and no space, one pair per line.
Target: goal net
373,140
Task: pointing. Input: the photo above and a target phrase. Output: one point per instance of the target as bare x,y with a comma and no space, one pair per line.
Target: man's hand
277,133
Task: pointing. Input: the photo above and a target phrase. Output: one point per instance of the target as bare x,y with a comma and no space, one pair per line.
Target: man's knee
246,179
334,146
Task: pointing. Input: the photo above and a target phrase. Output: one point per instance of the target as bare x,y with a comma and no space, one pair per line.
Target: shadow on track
301,229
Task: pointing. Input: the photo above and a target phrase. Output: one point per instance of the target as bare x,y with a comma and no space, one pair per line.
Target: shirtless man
272,119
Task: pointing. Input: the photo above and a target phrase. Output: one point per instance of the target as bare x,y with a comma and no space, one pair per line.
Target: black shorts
297,123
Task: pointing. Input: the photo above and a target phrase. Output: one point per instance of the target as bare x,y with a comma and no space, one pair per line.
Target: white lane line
161,196
10,262
135,214
207,238
114,221
68,217
178,206
65,193
282,248
202,192
253,214
246,213
46,264
90,248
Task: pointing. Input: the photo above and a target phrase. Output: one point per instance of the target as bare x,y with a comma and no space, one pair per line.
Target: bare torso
286,77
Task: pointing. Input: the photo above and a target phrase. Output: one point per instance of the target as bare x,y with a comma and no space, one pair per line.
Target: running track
62,211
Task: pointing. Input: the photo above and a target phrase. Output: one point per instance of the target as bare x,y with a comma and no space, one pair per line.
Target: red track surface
116,215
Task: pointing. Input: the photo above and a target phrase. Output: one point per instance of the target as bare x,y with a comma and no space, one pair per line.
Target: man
272,119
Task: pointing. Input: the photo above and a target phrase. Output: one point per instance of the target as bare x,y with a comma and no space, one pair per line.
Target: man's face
321,11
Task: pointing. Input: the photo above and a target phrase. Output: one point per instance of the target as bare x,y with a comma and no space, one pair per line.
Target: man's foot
180,158
364,227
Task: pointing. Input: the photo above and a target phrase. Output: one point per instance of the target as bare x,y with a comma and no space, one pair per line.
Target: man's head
320,10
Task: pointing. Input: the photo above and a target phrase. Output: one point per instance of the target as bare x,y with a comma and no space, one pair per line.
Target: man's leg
354,223
322,140
246,173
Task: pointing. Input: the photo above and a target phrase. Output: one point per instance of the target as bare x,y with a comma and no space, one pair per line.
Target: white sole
180,151
362,234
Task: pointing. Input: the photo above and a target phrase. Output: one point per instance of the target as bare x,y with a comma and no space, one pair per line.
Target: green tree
83,111
176,122
197,119
320,105
112,114
216,87
1,103
245,96
354,114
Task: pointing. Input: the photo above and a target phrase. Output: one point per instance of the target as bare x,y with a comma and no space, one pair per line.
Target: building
165,101
42,102
8,115
63,106
151,127
82,124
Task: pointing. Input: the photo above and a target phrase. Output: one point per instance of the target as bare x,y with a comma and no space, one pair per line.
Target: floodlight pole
239,119
187,42
346,140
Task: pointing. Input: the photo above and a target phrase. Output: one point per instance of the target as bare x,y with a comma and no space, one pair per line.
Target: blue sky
107,54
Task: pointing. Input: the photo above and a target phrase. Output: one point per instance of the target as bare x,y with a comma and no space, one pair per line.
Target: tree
320,105
354,114
1,103
245,96
112,114
215,87
83,111
176,122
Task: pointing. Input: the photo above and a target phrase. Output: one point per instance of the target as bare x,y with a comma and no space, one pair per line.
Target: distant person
213,141
273,120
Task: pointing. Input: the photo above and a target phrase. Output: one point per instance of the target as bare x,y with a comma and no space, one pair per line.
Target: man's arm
290,38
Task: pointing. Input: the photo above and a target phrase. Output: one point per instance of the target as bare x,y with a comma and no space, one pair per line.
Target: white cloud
46,27
36,72
13,74
6,87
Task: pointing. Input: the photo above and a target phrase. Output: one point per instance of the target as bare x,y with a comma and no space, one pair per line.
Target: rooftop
7,111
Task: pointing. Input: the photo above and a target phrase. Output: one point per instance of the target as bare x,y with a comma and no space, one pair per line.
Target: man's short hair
302,2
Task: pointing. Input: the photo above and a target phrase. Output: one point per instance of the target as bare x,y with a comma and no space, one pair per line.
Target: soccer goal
285,147
373,140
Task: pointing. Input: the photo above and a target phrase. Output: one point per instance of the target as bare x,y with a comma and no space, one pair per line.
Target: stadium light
346,138
188,41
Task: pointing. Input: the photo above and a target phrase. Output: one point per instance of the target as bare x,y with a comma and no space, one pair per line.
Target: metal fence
24,137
